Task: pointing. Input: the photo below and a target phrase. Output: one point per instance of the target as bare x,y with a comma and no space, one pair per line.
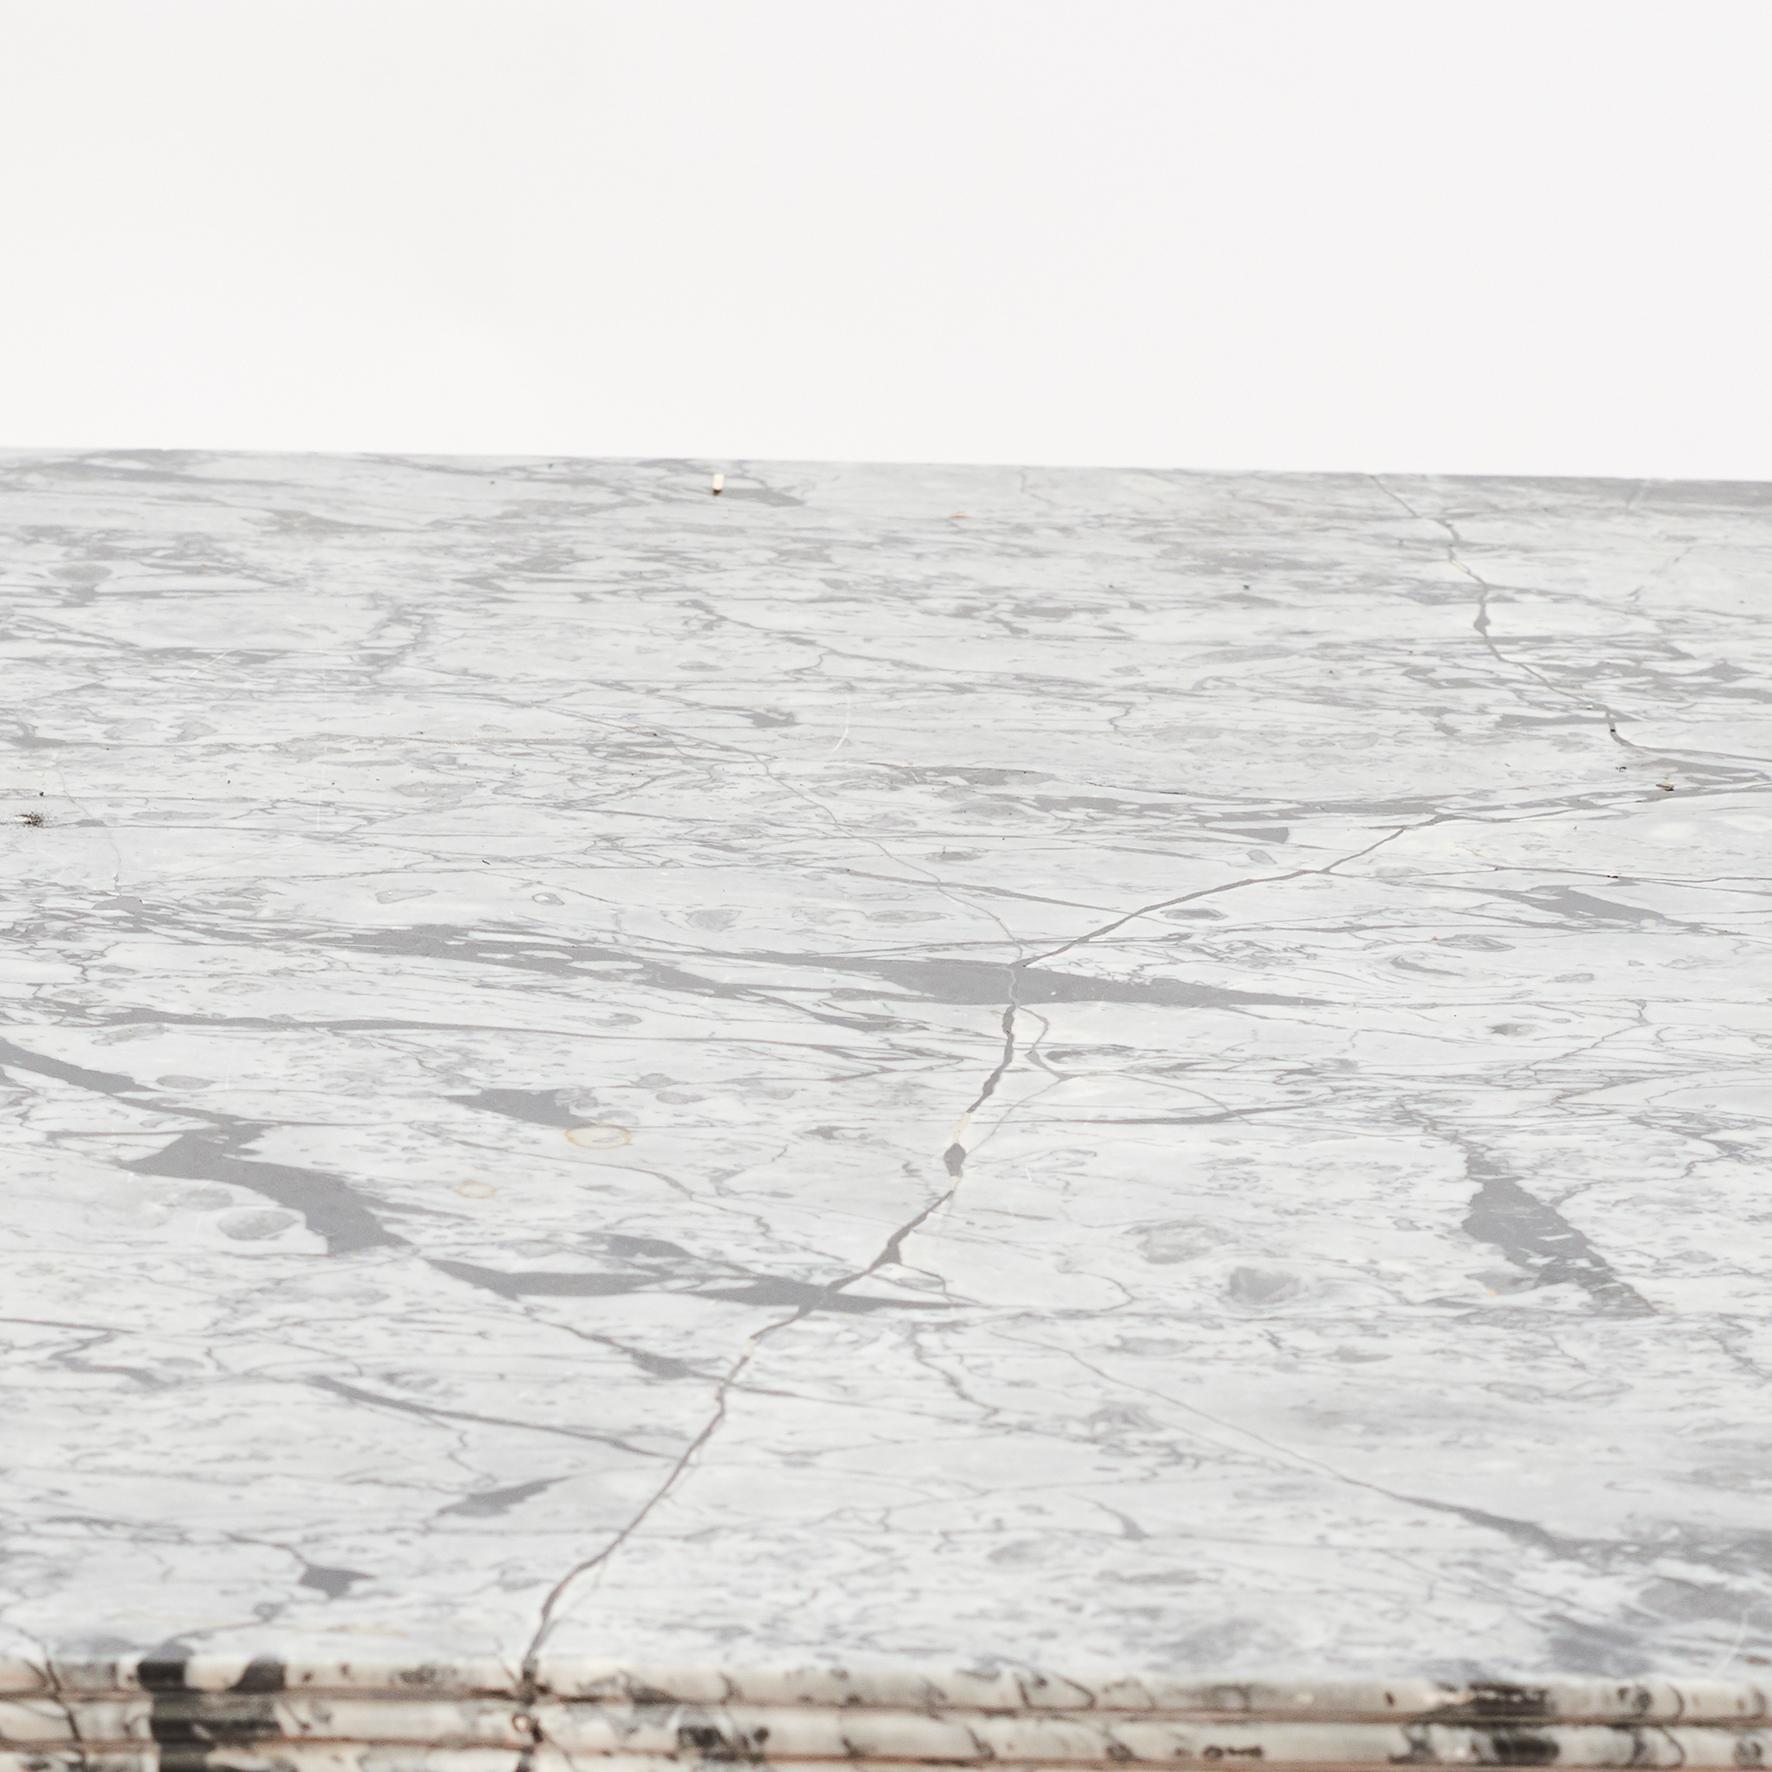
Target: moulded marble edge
215,1711
989,1690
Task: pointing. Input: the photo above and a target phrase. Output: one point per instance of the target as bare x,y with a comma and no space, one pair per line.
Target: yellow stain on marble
598,1136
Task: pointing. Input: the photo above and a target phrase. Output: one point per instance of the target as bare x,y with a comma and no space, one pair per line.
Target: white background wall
1488,236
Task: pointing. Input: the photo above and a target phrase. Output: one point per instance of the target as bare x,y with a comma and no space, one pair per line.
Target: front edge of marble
216,1710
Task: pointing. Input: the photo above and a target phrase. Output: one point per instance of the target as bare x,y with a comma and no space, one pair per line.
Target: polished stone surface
926,1071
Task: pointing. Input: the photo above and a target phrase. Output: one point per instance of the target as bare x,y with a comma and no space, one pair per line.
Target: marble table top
903,1113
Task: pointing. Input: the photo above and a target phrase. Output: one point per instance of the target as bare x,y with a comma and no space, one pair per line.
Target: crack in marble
1482,625
1050,989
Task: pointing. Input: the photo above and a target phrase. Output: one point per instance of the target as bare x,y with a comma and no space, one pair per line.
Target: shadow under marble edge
926,1115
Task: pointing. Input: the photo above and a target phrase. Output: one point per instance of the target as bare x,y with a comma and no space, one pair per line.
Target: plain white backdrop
1371,234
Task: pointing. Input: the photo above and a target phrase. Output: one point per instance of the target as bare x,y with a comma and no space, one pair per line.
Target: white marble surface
948,1074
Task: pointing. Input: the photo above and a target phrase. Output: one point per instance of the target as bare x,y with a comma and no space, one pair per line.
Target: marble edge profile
985,1689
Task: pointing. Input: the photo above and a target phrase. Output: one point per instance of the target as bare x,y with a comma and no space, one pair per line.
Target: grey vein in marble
879,1108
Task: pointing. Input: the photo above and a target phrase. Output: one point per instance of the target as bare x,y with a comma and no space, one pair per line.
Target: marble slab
902,1114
